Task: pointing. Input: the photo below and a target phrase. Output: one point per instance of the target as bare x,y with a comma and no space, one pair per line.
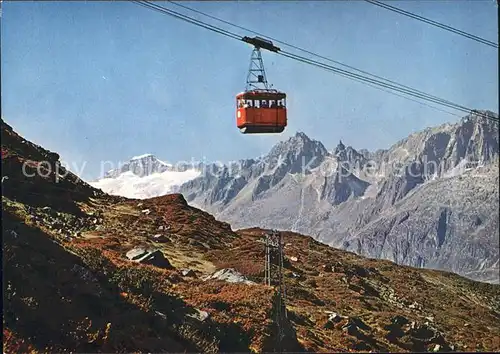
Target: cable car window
241,102
272,103
263,104
248,103
256,104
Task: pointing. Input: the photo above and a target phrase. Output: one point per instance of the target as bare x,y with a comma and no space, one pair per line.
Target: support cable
391,85
433,23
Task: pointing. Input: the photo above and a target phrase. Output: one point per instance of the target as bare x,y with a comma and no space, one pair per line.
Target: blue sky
104,81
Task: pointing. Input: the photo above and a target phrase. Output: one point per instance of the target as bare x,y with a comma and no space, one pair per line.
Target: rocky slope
352,199
447,223
88,272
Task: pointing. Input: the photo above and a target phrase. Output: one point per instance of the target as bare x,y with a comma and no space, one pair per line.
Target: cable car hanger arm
259,42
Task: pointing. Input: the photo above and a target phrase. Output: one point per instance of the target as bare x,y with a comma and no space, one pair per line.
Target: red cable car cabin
261,111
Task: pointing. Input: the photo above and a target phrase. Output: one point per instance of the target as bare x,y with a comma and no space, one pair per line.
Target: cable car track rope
188,19
374,81
433,23
322,57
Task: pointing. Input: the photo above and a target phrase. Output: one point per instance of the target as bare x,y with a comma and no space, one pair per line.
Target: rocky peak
297,151
300,142
471,141
481,116
143,165
350,158
302,136
340,147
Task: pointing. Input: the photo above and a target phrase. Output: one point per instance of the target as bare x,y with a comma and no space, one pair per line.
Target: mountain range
430,200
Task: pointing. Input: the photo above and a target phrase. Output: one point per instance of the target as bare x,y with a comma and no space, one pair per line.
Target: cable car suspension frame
260,108
256,72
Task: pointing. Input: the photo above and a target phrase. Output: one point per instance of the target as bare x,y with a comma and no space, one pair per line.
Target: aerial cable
317,55
187,19
433,23
364,80
325,58
312,62
405,97
334,61
397,87
370,80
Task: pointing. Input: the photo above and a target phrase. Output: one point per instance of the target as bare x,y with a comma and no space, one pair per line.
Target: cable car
260,109
261,112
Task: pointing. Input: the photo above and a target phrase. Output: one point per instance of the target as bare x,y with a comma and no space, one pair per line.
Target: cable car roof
262,93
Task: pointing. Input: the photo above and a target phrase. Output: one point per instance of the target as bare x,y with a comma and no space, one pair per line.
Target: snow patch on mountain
130,185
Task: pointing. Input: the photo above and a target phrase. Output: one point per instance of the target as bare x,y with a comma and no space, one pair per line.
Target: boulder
399,320
159,238
188,273
333,318
327,268
354,325
198,315
415,305
230,275
52,156
161,314
148,256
